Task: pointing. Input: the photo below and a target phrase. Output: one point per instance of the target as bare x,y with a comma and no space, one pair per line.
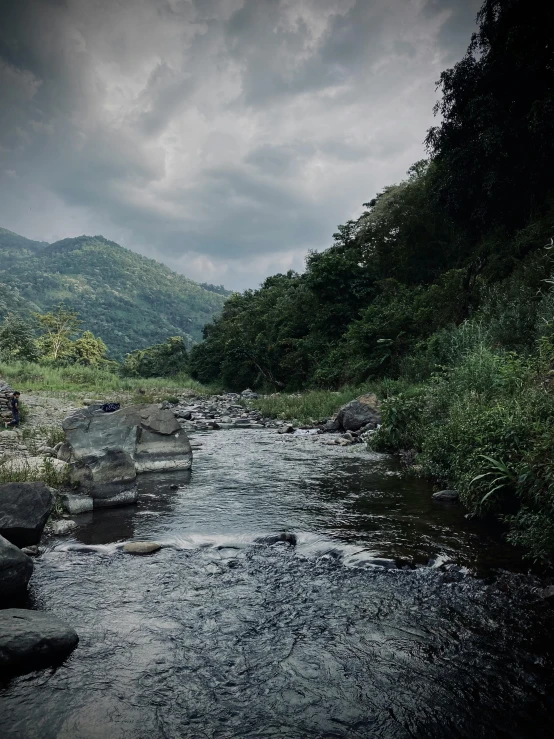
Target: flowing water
224,633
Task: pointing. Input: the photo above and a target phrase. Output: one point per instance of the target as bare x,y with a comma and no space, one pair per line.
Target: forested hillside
126,299
441,290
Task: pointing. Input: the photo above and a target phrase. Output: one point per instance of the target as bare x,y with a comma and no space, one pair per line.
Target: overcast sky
222,137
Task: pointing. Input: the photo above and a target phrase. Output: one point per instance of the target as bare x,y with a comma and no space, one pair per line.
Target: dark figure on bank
14,402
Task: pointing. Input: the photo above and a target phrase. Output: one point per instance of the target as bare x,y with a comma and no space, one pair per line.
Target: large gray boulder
108,450
359,413
24,510
16,569
32,639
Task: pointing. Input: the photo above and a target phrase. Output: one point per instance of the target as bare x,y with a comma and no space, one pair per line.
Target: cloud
224,137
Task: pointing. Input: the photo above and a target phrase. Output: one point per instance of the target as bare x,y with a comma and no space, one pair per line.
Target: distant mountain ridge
129,300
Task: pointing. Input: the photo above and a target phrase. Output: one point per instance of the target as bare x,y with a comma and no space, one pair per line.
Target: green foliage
89,350
497,125
98,380
161,360
126,299
484,426
16,339
58,327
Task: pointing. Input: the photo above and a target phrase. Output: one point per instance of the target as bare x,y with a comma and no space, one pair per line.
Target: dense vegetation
127,300
442,287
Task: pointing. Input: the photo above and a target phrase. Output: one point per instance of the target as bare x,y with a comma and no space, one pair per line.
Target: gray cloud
224,137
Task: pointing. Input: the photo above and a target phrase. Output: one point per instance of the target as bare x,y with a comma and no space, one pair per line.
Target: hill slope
128,300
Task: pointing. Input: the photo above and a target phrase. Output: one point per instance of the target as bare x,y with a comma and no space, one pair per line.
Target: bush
484,426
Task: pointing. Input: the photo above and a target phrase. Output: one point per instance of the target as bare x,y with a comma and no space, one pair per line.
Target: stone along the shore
24,510
107,450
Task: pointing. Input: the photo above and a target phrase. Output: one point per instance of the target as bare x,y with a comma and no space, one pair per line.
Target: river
221,634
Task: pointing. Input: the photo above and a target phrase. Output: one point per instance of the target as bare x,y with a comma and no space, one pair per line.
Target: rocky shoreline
351,425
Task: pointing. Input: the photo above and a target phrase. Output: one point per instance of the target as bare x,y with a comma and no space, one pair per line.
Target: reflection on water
222,635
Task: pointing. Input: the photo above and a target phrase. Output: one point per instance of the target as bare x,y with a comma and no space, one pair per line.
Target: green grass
28,376
315,406
45,473
306,408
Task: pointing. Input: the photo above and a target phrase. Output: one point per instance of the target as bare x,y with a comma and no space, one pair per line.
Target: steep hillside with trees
127,300
440,293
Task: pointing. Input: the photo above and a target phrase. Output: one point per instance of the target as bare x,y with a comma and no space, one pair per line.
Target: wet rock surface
24,510
16,569
32,639
141,547
108,450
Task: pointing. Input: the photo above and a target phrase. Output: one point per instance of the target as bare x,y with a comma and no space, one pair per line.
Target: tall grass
46,472
311,407
316,406
26,376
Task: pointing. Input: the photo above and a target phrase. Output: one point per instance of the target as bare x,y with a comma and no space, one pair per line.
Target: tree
58,326
494,149
17,340
160,360
89,350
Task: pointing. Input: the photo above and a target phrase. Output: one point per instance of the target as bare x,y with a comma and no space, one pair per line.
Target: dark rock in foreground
32,639
16,569
24,510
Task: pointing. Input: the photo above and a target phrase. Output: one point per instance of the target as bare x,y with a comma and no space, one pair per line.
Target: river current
392,617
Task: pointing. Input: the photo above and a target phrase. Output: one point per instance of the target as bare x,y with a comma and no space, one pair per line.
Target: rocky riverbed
383,613
231,411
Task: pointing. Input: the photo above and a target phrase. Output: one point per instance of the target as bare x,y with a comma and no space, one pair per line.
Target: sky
225,138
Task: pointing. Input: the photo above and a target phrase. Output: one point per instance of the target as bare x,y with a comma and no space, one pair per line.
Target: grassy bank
28,376
315,406
485,426
307,408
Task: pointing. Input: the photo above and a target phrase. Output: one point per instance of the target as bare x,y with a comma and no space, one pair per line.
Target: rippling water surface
225,634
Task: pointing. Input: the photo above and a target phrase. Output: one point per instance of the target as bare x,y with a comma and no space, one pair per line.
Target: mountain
128,300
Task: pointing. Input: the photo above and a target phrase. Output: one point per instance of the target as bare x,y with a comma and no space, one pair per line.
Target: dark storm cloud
225,137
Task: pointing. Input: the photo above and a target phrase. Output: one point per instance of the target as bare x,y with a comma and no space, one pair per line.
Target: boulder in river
108,450
24,510
16,569
361,412
32,639
446,496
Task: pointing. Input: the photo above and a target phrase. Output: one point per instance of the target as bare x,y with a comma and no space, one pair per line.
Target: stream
393,616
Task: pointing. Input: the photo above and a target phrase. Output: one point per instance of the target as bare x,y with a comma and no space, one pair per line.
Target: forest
441,292
128,300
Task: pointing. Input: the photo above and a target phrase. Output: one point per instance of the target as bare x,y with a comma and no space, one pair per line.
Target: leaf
488,495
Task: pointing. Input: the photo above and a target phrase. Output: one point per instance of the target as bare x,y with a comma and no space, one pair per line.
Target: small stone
77,503
141,547
63,527
288,429
32,551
